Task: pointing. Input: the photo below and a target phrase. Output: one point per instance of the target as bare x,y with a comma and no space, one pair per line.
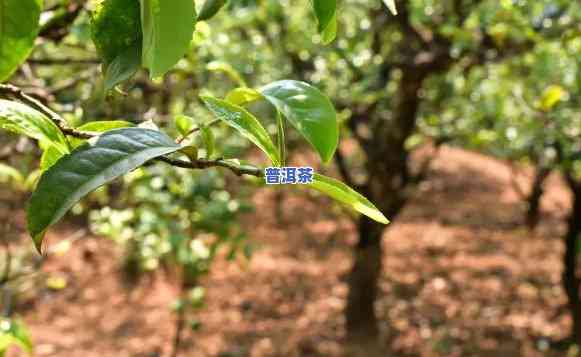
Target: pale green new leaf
243,95
346,195
209,141
13,332
245,123
167,27
21,119
309,111
104,125
184,124
49,157
10,173
99,161
551,96
18,30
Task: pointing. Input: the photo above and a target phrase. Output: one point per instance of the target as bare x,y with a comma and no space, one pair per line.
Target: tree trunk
361,319
534,197
571,281
386,186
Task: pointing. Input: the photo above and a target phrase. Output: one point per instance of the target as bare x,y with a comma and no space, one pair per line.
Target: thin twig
15,92
196,129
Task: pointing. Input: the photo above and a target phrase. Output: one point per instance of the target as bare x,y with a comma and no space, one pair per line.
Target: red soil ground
462,277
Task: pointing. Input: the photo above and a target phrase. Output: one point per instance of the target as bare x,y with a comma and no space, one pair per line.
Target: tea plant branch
7,90
196,129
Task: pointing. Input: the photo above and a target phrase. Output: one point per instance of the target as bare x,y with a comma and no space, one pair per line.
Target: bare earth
462,277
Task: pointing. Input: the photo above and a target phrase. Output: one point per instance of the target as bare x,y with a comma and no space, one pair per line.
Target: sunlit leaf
309,111
168,27
243,95
18,30
184,124
551,96
10,173
391,6
346,195
49,157
104,125
13,332
22,119
116,27
245,123
90,166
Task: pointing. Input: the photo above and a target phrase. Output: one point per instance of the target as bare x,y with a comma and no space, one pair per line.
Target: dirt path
462,277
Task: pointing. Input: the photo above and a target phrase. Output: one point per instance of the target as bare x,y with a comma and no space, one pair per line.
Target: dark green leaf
309,111
18,29
346,195
123,67
245,123
210,9
168,27
115,26
90,166
22,119
325,11
99,127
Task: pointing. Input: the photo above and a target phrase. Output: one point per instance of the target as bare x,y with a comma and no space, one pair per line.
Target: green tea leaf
115,27
245,123
13,332
99,127
123,67
18,29
280,138
10,173
243,95
325,11
309,111
184,124
330,32
340,192
99,161
233,74
49,157
105,125
209,141
551,96
210,9
168,27
22,119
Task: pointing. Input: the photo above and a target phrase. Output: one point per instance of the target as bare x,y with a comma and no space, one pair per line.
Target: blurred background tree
500,77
